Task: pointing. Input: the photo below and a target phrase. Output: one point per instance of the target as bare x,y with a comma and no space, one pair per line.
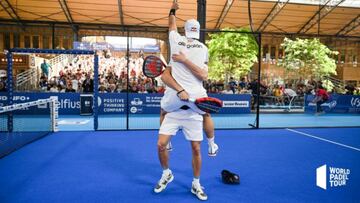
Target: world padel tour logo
331,176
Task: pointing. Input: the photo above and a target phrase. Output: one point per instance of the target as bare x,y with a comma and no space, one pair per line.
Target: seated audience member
88,84
112,88
102,89
133,89
227,90
43,83
69,88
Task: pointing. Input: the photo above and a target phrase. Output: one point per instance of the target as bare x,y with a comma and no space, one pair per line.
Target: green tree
308,57
231,53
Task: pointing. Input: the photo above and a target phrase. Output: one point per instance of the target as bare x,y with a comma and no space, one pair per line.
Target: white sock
167,171
196,181
211,141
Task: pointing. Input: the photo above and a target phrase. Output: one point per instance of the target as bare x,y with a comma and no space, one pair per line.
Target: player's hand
183,96
175,5
180,57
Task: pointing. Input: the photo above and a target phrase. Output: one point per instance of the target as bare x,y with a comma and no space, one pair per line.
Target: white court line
322,139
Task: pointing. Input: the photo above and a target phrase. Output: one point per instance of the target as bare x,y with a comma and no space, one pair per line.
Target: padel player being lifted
188,68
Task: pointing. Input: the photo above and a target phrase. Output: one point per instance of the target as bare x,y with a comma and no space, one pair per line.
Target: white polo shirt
197,53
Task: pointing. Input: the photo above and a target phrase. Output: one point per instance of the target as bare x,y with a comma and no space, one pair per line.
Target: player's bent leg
196,188
167,175
162,116
210,134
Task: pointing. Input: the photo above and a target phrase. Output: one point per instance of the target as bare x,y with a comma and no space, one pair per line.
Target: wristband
172,12
179,92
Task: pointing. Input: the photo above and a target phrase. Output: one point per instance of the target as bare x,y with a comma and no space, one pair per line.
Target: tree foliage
231,53
308,57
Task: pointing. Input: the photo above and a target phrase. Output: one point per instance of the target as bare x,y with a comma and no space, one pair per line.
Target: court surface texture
275,165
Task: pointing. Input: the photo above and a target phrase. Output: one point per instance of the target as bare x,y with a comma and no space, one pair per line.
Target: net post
96,90
259,82
54,114
10,92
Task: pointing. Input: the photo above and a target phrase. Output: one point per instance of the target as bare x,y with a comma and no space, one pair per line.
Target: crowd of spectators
78,76
270,87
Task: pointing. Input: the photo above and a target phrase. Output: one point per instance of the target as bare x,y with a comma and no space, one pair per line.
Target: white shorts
170,102
192,128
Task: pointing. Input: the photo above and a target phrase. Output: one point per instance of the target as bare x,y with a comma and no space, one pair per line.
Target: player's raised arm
172,18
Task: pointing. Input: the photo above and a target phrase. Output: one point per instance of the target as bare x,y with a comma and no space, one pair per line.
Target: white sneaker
163,182
169,147
213,150
198,190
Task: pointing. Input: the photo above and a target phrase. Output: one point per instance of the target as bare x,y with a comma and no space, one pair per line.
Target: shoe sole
214,154
192,191
171,179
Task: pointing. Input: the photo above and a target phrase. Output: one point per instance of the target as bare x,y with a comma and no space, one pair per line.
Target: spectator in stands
60,88
88,84
53,88
160,90
45,68
242,84
69,88
142,89
213,90
349,89
62,80
75,83
2,86
253,87
357,91
311,84
102,89
227,90
43,83
123,88
278,94
232,84
112,88
290,96
321,96
133,89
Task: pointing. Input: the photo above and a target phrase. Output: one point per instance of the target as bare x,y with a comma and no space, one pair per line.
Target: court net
23,123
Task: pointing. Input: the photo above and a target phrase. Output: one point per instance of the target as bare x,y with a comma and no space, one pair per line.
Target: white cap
192,29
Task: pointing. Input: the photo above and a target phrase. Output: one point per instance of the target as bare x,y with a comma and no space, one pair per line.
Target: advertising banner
115,103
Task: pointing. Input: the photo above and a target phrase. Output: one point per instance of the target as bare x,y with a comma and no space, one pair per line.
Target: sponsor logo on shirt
190,46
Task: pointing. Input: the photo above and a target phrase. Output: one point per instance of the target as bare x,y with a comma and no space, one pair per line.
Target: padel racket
208,104
153,66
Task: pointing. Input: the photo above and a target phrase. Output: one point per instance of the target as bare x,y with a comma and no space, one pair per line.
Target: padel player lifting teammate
184,80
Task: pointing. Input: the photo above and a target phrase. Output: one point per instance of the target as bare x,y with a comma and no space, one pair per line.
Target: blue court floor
115,122
275,165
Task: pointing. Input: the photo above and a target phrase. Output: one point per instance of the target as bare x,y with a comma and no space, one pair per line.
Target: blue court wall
116,103
336,104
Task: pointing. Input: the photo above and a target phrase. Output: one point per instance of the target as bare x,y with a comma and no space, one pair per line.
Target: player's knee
207,115
161,146
196,150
